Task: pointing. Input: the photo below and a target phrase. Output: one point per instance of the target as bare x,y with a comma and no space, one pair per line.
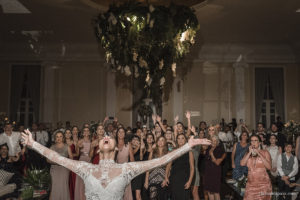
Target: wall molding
85,52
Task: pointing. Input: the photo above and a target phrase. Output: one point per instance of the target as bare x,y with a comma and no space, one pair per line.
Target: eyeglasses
211,129
254,140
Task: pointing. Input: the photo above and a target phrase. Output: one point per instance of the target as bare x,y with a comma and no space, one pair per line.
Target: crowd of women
256,155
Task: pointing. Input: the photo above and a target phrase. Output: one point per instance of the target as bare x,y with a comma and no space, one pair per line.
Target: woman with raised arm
94,155
156,180
107,181
158,129
158,119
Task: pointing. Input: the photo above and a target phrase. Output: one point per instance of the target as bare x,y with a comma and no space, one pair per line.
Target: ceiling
221,21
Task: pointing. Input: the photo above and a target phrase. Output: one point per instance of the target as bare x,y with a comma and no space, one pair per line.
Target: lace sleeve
135,168
79,167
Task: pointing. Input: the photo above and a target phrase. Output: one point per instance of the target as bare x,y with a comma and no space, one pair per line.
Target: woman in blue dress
238,152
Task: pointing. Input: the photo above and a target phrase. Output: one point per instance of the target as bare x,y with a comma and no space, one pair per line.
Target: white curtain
276,81
17,80
261,78
34,74
33,86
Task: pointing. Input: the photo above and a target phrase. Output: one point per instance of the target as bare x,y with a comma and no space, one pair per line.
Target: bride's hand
193,142
27,138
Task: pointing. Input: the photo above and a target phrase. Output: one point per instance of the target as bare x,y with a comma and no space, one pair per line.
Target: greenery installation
144,42
36,183
291,130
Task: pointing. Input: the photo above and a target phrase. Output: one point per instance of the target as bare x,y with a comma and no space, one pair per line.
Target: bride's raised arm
137,168
73,165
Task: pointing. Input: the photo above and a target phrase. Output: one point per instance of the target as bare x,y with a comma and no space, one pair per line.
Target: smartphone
170,147
111,118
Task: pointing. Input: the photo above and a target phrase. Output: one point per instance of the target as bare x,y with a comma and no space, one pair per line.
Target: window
25,94
25,114
269,94
268,109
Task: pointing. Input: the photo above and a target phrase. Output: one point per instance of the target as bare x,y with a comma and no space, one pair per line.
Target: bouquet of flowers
242,182
291,130
3,120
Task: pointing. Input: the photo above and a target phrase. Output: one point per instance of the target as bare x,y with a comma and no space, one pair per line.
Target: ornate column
240,92
49,108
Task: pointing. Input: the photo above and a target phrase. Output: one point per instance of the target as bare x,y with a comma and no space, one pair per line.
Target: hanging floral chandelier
145,42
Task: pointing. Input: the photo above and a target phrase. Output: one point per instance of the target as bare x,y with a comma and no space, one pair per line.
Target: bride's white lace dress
107,180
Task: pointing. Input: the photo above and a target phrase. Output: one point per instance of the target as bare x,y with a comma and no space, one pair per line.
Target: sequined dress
258,186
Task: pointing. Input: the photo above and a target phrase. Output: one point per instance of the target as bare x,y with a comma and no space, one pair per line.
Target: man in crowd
260,129
227,139
280,136
241,128
39,134
12,139
287,166
279,123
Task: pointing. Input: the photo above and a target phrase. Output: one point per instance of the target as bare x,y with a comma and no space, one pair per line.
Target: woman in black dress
182,173
137,182
157,180
147,148
215,154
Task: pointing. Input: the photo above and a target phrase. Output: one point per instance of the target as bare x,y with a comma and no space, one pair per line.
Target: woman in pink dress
125,154
258,162
84,145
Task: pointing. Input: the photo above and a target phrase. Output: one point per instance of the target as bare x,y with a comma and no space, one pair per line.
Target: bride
107,180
